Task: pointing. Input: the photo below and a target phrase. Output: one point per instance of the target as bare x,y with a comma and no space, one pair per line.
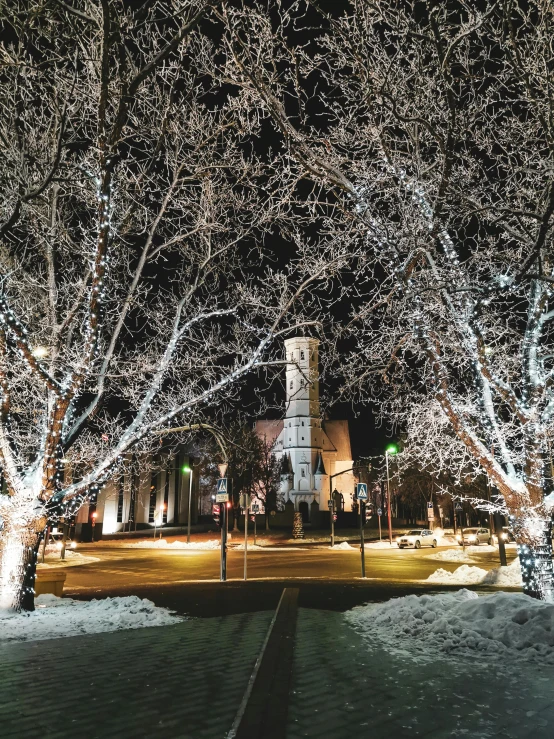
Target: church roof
319,466
339,436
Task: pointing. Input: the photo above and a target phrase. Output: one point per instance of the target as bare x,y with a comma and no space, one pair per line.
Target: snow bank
500,625
342,545
164,544
72,559
58,617
466,575
453,555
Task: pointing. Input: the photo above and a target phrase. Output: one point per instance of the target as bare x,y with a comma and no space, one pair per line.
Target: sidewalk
177,681
187,682
343,687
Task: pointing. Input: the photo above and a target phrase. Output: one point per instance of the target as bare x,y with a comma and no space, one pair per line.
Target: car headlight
59,544
73,544
472,537
504,536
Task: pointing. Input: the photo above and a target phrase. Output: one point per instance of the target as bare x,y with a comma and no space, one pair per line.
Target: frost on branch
432,150
140,275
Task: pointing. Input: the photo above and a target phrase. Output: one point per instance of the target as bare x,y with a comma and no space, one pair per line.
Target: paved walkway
344,686
176,681
187,682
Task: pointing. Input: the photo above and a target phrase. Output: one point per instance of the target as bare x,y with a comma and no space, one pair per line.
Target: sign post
379,514
430,512
331,505
458,507
361,495
222,496
255,511
245,505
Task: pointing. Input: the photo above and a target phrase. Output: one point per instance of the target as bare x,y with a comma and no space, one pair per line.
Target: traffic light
368,512
335,516
216,514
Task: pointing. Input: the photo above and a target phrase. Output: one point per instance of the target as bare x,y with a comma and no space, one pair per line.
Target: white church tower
309,448
302,432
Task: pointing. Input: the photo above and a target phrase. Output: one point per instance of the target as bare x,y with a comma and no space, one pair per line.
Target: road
189,580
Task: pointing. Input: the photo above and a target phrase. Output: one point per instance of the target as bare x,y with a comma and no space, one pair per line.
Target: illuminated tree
428,133
138,282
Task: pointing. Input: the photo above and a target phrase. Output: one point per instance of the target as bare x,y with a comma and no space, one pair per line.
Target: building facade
149,492
312,451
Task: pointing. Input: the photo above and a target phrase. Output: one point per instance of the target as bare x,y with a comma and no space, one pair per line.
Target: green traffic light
186,468
392,449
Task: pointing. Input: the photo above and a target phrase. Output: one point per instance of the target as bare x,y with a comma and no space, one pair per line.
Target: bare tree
428,130
138,281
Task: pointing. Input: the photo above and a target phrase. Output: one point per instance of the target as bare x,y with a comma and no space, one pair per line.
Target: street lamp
188,469
392,449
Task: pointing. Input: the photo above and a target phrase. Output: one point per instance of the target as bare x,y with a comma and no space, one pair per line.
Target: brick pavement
181,681
344,687
188,680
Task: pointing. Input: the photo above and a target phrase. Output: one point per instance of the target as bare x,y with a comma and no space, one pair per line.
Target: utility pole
392,449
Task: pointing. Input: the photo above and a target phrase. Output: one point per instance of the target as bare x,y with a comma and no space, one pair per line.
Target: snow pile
385,544
343,545
72,559
466,575
451,555
240,547
499,625
58,617
164,544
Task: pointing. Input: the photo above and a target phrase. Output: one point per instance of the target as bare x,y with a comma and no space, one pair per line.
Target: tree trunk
19,554
536,566
267,521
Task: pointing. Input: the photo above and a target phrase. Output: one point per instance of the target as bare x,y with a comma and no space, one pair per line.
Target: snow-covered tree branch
427,129
140,274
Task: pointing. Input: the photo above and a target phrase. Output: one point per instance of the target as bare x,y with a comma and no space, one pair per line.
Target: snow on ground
458,554
467,575
500,626
58,617
342,545
164,544
72,559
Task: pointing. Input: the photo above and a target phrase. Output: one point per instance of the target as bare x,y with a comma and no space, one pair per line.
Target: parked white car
417,538
475,537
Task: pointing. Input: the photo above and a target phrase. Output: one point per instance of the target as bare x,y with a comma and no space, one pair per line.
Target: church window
302,423
302,438
291,384
302,356
303,472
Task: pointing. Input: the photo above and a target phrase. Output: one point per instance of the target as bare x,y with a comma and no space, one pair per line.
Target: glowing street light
391,450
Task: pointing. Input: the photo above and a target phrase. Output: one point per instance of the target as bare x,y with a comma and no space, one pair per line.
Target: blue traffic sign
222,485
379,512
361,491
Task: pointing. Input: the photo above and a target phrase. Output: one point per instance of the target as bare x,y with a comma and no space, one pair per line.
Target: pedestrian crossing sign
222,485
361,491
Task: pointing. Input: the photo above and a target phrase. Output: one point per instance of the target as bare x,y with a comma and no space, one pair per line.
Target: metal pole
254,529
501,545
64,538
362,546
245,540
388,498
190,498
223,565
332,510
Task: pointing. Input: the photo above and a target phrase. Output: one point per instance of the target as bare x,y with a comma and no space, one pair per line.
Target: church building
311,450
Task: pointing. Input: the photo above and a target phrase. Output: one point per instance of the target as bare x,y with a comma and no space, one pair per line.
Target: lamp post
188,469
392,449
